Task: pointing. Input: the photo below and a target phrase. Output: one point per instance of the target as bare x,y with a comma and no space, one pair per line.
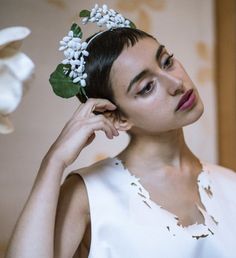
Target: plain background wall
186,27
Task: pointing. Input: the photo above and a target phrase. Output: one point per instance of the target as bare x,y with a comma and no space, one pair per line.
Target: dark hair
103,51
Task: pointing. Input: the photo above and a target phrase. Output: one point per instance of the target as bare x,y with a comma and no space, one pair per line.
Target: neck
156,152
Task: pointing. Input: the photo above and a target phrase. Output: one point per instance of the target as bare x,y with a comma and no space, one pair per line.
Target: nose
173,84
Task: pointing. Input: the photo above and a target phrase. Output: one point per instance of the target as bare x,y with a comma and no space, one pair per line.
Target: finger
104,106
99,105
109,123
99,122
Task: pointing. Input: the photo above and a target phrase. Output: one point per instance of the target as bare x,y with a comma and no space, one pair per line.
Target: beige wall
184,26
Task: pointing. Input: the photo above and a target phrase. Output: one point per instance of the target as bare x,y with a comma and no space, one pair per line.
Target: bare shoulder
221,171
223,175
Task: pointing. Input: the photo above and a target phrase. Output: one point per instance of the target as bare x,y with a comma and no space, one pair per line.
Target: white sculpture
15,70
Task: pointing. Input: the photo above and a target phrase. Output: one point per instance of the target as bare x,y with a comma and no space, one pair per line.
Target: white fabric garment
125,223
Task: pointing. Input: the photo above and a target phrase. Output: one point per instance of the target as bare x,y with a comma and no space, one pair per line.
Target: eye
147,89
168,62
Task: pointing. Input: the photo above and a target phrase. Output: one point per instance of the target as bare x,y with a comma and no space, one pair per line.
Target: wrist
53,161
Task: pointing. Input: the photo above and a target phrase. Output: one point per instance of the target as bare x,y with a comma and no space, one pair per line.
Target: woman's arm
72,219
34,232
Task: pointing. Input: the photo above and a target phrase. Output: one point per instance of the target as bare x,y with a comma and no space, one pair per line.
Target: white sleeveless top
126,223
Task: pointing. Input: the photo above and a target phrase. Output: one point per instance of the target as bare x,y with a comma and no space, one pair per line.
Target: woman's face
153,89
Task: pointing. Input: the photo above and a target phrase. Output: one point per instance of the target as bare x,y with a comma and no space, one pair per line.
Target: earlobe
121,123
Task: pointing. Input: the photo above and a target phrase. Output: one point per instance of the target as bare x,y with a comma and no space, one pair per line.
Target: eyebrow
144,73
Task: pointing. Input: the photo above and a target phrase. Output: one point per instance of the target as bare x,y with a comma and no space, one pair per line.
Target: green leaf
62,84
84,13
132,25
73,26
76,30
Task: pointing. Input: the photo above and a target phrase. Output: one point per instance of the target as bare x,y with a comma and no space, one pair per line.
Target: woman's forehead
132,60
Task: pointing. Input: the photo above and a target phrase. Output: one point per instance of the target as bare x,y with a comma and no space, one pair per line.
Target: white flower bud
76,54
63,43
77,46
71,44
75,62
66,39
105,8
93,19
122,19
80,69
106,17
85,76
85,53
66,53
109,26
75,75
96,6
72,66
71,74
93,12
101,21
65,61
113,25
85,20
71,34
112,12
127,22
83,83
117,19
62,48
98,16
70,53
84,45
77,40
82,60
77,79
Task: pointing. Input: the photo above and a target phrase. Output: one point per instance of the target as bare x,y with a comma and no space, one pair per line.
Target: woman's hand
80,130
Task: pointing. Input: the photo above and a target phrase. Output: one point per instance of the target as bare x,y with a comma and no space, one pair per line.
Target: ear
120,122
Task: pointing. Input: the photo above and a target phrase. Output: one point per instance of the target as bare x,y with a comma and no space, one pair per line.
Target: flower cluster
69,78
106,17
74,51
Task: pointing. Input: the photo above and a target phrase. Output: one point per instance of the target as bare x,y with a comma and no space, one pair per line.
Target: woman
155,199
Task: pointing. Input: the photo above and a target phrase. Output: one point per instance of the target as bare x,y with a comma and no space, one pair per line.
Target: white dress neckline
208,228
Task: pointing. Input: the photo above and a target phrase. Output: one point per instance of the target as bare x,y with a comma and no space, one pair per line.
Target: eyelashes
168,62
147,89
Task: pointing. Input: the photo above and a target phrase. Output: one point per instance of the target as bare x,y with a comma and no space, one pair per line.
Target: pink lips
187,101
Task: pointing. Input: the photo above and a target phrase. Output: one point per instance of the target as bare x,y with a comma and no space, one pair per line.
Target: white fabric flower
15,69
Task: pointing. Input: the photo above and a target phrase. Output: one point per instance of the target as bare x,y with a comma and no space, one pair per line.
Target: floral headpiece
69,78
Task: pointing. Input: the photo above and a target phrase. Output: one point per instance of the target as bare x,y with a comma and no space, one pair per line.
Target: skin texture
55,220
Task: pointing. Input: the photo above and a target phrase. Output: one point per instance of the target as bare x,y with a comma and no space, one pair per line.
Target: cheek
150,114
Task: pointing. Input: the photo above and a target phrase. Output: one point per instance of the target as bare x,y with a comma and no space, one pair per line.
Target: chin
196,113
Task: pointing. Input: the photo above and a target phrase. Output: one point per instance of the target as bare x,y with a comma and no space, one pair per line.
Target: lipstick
187,101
